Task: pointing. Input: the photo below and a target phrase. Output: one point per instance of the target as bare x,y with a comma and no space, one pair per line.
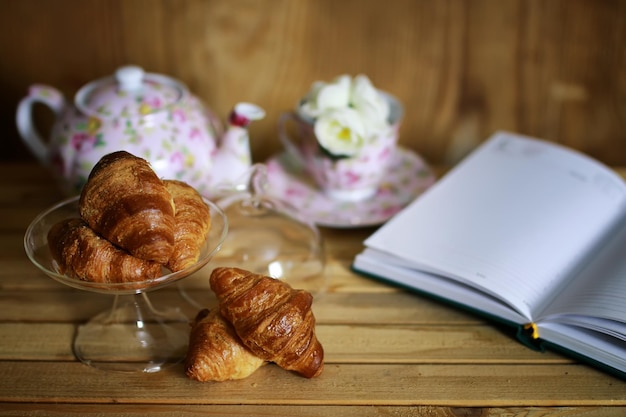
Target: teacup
346,178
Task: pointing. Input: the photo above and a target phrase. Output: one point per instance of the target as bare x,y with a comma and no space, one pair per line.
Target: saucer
408,177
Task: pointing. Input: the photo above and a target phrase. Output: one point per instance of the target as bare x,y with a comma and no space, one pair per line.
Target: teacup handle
48,96
288,143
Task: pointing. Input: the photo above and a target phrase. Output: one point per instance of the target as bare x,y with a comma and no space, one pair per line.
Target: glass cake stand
134,334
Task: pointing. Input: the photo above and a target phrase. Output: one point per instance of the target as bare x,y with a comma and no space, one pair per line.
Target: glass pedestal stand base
133,336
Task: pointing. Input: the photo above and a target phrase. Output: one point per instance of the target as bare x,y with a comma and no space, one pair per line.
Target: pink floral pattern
162,123
407,177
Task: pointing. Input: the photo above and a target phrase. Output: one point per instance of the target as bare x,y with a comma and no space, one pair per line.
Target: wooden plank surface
469,385
387,352
352,344
160,410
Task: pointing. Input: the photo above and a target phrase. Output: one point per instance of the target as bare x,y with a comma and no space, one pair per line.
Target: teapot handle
48,96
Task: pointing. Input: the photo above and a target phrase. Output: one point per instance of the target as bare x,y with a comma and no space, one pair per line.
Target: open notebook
526,232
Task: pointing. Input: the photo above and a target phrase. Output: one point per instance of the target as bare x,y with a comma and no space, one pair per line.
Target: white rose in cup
341,132
373,106
346,136
327,96
348,113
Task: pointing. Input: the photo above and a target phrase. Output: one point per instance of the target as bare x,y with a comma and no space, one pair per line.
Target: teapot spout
234,157
245,113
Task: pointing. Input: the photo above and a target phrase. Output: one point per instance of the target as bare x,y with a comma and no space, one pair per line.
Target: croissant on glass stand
271,318
192,223
215,351
131,223
81,253
128,204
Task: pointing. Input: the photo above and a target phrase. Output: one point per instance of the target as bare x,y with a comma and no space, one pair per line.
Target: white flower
370,103
348,113
326,96
341,131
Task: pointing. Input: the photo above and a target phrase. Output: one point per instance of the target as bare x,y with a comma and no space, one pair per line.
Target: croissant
192,224
272,319
215,352
125,202
81,253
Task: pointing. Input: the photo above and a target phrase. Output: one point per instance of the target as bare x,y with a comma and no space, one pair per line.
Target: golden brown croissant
81,253
193,221
128,204
215,352
272,319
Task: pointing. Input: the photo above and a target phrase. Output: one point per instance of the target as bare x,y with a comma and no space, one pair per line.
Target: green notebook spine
528,334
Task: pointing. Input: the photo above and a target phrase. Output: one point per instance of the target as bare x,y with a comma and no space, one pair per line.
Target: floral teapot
149,115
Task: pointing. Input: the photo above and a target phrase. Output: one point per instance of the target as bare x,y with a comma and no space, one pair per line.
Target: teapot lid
131,92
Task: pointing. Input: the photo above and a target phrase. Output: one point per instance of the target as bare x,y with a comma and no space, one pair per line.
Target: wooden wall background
463,68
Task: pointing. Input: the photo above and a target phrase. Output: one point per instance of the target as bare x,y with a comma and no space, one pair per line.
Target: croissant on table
126,202
81,253
192,223
215,351
271,318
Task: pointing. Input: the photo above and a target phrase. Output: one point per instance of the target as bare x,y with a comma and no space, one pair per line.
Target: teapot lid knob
130,78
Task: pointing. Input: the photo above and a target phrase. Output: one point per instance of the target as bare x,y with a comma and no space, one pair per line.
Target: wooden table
388,352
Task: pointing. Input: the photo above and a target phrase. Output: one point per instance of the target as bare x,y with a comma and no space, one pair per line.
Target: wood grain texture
462,69
347,384
356,343
164,410
387,351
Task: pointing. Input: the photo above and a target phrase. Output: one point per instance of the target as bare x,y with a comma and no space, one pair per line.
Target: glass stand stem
133,336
